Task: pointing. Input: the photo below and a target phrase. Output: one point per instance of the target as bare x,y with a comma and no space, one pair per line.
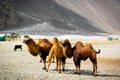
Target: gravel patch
20,65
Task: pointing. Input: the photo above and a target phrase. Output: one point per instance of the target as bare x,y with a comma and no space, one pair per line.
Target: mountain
51,17
8,16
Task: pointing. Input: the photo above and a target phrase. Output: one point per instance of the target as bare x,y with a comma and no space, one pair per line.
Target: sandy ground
20,65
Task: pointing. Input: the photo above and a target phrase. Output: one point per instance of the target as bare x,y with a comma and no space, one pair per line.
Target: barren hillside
67,17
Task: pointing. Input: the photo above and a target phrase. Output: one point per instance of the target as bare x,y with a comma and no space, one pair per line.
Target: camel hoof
59,71
47,70
63,69
40,61
44,68
94,74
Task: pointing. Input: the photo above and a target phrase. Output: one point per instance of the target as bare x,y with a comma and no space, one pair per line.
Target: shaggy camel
46,45
34,49
81,52
57,50
67,49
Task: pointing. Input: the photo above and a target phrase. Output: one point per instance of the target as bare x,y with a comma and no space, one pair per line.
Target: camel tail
98,51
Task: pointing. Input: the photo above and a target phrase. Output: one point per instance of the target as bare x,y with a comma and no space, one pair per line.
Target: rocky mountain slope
8,16
85,17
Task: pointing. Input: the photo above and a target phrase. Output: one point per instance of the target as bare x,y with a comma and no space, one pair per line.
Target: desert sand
20,65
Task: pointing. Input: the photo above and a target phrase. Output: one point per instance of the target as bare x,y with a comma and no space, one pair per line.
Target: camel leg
59,65
77,64
49,62
63,63
94,62
40,57
56,63
78,69
53,59
94,69
95,65
48,66
44,61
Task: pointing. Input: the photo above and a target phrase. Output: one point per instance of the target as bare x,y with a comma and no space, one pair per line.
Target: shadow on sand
87,73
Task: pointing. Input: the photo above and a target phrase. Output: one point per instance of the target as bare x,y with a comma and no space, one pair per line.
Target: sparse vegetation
12,36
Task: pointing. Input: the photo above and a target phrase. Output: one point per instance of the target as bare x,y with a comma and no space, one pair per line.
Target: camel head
66,43
28,41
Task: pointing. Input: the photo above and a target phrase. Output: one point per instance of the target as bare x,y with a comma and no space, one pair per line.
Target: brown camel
34,49
67,49
57,50
81,52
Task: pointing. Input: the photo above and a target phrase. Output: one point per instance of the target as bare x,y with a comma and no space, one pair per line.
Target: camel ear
26,41
74,48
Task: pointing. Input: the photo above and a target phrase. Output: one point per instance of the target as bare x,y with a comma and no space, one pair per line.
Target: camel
67,49
34,49
57,50
81,52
